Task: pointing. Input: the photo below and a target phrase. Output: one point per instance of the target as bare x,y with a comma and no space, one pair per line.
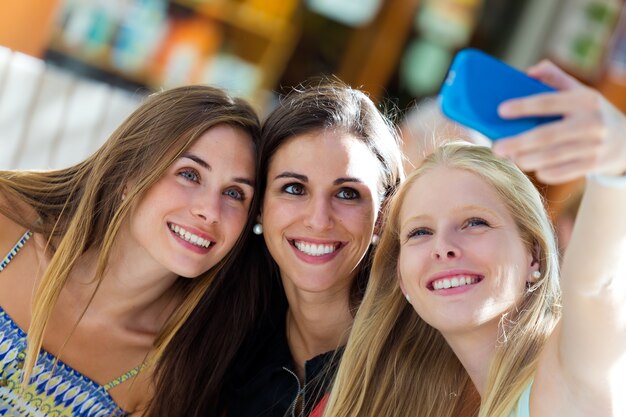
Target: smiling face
462,260
190,218
319,210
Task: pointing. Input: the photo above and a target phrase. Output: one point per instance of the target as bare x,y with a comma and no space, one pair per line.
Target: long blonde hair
395,364
81,207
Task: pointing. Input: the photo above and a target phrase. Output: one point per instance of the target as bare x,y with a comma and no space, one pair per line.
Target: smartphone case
477,83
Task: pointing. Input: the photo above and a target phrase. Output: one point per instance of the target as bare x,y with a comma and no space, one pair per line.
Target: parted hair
395,364
81,207
331,105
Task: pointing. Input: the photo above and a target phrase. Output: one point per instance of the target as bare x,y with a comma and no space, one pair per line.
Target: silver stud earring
536,275
408,299
375,239
123,197
257,229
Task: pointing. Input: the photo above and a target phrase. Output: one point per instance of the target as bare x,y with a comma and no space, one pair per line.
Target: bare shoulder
556,393
135,394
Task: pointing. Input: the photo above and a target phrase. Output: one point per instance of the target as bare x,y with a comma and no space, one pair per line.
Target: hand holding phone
475,86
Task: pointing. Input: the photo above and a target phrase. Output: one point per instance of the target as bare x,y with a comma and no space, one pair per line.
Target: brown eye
348,194
295,189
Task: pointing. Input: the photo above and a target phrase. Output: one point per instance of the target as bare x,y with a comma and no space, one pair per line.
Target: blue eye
294,188
235,194
420,231
190,175
476,221
348,194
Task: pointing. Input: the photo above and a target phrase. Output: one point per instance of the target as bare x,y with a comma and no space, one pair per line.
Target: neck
315,325
142,290
475,351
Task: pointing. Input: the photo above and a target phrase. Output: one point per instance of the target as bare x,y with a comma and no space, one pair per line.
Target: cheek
408,270
361,219
279,213
235,221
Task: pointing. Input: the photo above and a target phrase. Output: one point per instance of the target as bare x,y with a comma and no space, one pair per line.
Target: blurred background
71,70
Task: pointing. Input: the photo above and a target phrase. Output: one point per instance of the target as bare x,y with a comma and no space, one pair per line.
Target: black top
268,385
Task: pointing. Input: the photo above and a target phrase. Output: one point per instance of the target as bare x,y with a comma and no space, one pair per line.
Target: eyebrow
421,217
288,174
304,178
340,181
246,181
197,160
208,167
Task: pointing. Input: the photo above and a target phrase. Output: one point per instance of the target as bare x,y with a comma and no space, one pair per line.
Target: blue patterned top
64,393
56,389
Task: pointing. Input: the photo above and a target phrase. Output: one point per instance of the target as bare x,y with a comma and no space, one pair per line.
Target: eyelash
468,223
415,232
241,194
355,194
184,174
481,222
289,189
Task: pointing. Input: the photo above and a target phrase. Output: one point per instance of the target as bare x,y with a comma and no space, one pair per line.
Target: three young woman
108,258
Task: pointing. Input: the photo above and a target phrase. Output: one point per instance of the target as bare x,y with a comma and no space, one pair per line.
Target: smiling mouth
190,237
315,249
454,282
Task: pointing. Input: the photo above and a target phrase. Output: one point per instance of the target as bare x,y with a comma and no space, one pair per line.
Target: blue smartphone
477,83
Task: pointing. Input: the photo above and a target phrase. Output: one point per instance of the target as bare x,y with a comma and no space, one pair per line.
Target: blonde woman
107,258
465,287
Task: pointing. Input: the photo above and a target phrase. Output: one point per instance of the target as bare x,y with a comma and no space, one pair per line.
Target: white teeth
190,237
454,282
313,249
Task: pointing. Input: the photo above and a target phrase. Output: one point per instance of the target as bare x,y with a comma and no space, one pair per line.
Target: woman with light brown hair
107,258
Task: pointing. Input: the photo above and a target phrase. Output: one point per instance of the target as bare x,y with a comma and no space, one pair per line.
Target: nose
318,214
445,247
208,208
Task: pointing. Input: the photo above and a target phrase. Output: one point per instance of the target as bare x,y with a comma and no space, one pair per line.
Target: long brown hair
81,207
395,364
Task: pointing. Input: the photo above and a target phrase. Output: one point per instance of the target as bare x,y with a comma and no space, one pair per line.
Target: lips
453,280
190,237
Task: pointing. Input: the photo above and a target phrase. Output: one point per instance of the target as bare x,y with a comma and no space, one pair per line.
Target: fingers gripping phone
477,83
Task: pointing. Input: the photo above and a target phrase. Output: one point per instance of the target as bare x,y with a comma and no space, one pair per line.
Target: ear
378,223
535,264
399,278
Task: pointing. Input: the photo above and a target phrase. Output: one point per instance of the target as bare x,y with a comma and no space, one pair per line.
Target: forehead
225,142
329,152
446,190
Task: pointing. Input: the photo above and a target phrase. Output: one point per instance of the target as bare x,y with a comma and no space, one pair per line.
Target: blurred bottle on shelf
140,33
229,71
88,27
189,41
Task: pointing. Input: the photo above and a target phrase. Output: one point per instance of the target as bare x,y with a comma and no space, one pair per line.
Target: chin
190,273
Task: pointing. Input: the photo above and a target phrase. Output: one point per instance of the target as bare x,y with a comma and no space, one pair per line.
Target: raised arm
580,366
